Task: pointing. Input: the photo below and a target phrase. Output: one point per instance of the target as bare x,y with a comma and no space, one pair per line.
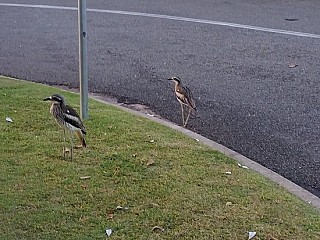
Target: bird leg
182,113
71,143
185,123
64,143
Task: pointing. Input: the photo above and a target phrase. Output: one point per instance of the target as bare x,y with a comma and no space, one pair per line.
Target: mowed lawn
136,177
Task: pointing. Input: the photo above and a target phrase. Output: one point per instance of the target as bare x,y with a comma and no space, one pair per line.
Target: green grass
185,191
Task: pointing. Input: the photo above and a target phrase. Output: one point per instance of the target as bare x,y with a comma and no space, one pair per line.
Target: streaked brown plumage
67,118
184,97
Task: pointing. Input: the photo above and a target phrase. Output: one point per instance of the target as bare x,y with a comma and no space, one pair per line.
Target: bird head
177,80
55,98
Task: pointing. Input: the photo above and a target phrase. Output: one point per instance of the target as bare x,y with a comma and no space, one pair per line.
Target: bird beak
47,99
170,79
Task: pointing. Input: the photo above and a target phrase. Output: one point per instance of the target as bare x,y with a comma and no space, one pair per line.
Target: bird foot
78,146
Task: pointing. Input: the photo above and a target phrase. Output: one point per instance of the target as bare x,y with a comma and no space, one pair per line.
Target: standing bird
67,118
185,98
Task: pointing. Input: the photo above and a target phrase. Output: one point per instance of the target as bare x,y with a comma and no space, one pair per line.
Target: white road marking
185,19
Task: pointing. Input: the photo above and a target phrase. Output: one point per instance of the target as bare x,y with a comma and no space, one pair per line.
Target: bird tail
195,111
81,138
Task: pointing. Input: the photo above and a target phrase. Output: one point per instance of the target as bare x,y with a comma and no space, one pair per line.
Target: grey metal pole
83,64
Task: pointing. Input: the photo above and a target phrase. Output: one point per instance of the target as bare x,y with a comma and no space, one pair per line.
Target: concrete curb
293,188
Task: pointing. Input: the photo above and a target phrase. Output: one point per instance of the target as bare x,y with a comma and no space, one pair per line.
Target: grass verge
159,176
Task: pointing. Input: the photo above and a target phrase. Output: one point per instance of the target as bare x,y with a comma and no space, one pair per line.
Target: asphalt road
248,97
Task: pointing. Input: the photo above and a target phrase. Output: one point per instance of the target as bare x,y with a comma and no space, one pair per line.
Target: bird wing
72,117
189,97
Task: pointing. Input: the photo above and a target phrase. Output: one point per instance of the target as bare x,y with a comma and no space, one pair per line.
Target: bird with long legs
185,98
68,119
